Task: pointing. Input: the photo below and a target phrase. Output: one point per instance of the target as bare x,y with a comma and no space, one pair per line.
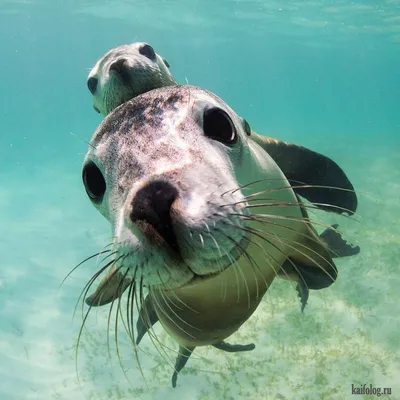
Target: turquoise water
321,74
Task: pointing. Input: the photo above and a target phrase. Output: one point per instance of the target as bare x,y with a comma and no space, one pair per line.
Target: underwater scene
199,199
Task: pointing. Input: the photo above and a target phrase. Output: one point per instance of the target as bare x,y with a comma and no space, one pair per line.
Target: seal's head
165,169
125,72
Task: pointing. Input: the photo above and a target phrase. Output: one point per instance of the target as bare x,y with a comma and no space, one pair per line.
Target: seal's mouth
227,262
220,264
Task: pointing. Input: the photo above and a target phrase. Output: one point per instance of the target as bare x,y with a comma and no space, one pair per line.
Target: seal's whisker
250,231
130,304
88,285
164,346
223,282
119,312
85,141
112,306
172,292
269,258
176,296
232,260
113,253
84,293
308,205
301,185
152,334
133,300
248,184
301,204
165,299
235,242
258,234
155,293
287,242
267,217
86,288
82,262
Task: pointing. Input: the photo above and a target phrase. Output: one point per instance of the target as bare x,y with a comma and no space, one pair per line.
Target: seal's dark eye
217,125
94,182
148,52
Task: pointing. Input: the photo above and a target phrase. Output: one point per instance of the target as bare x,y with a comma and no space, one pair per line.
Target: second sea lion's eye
148,52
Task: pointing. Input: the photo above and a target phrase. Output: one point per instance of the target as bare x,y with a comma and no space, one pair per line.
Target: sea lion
201,215
125,72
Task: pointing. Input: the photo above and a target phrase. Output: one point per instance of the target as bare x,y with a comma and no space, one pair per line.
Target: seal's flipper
302,167
110,288
310,265
147,318
336,244
303,292
307,277
182,359
234,348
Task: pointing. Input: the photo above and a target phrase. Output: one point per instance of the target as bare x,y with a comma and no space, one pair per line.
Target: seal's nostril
152,204
92,84
119,65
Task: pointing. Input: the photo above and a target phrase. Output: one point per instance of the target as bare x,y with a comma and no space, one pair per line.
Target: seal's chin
219,265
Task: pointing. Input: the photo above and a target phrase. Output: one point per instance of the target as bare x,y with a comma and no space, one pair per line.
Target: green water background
321,74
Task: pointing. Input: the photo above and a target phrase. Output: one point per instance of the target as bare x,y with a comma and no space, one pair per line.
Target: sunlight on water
324,75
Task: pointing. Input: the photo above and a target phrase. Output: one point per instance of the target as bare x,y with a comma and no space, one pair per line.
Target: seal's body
202,216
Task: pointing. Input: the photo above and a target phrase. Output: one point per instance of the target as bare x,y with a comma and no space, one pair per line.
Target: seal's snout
92,84
152,206
119,66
